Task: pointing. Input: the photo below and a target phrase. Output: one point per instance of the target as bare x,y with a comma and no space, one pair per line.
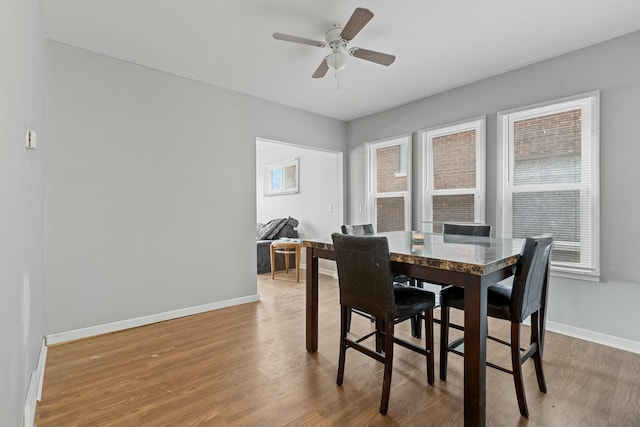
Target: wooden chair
515,303
366,284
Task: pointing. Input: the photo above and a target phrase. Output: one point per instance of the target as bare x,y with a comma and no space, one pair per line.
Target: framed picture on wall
281,178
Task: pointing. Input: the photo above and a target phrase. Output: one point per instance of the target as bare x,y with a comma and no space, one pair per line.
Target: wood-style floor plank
247,366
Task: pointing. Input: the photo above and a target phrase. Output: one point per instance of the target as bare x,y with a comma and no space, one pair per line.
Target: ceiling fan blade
296,39
373,56
321,70
358,20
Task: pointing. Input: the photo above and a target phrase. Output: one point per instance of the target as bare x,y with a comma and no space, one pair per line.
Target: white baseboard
29,415
42,360
596,337
34,391
326,271
75,334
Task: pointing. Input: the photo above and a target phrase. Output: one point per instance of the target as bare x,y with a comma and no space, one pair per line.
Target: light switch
30,139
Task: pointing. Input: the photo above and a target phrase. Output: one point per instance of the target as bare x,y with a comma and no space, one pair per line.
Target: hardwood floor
247,365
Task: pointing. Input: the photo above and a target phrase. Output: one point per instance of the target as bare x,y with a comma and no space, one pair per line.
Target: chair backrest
364,274
358,230
531,276
467,229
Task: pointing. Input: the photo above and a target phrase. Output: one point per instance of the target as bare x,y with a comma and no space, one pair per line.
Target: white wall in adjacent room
318,204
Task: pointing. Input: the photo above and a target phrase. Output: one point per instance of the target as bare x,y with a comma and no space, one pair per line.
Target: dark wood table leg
312,301
475,351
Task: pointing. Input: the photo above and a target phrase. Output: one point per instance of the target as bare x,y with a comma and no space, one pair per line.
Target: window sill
576,275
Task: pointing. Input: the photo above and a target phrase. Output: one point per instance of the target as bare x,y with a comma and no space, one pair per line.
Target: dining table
471,262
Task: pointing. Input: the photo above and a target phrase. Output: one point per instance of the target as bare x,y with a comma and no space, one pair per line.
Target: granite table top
467,254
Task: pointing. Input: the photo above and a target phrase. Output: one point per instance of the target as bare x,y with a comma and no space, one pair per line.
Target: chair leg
380,338
537,356
349,313
344,313
428,338
517,369
388,367
416,327
444,341
416,324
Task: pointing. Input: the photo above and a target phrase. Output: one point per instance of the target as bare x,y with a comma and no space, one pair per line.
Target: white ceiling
439,44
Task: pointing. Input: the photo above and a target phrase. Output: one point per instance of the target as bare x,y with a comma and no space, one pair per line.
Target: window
281,178
548,180
453,174
389,186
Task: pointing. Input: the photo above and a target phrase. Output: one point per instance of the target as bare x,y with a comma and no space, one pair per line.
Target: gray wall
613,67
151,188
22,106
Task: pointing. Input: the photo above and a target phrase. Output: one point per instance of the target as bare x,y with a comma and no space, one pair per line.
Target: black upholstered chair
358,229
366,284
454,233
525,297
367,230
479,230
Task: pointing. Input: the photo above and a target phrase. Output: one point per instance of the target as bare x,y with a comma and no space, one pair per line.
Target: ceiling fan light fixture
337,61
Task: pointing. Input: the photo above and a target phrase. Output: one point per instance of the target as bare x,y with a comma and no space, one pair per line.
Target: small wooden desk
473,263
287,248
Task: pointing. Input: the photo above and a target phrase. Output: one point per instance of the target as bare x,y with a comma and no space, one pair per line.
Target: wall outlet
30,139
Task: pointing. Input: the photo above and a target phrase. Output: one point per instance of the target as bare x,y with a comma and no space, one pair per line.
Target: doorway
318,202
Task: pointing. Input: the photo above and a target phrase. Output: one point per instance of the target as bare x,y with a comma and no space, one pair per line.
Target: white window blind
548,180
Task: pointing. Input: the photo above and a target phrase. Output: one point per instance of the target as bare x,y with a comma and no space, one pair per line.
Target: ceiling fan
338,38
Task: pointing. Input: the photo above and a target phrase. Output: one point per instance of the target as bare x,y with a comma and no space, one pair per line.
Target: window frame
426,170
282,165
371,181
588,187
